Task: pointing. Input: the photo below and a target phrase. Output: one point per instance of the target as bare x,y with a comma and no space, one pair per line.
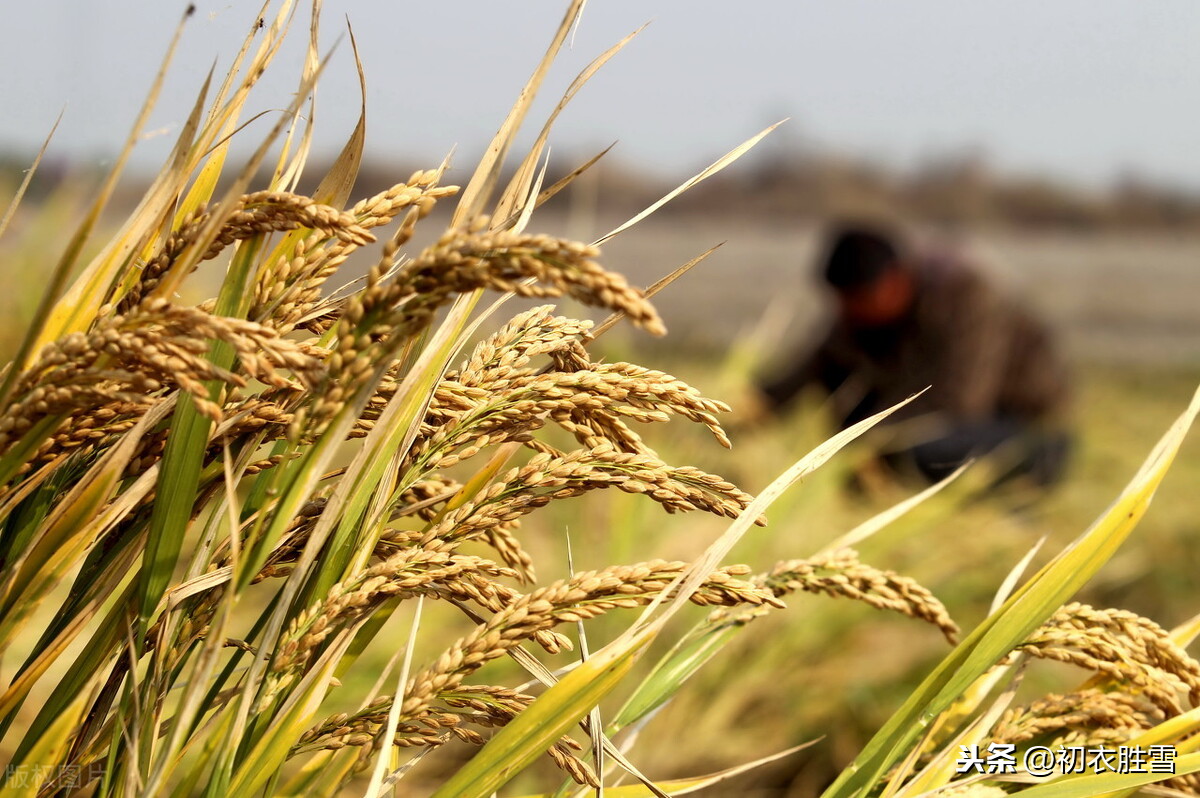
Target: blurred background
1058,143
1060,140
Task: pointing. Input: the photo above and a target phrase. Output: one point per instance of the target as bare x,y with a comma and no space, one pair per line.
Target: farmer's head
874,285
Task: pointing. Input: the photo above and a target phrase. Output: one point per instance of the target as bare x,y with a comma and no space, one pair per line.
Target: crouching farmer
907,321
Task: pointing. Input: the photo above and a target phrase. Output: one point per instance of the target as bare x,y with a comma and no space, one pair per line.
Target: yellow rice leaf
973,697
1186,632
190,256
77,307
51,747
19,689
942,768
1028,607
545,194
877,522
474,197
323,773
394,432
1172,731
659,285
69,530
707,172
547,719
335,187
1092,785
688,785
510,203
288,170
29,173
222,122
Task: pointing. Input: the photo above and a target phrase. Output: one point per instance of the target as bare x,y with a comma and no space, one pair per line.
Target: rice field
272,526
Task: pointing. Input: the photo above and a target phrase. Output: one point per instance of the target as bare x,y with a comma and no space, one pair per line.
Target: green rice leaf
545,720
1027,609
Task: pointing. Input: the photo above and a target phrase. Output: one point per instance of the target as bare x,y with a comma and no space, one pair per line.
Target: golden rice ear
1126,651
839,573
73,311
1024,611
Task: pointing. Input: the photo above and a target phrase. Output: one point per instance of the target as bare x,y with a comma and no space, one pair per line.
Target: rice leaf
23,776
475,196
685,786
1028,608
545,720
334,189
28,178
707,172
512,203
1097,784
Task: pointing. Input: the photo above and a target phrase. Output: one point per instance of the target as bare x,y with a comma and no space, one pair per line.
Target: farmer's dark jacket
980,352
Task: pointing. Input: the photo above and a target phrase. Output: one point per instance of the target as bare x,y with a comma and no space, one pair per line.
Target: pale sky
1078,89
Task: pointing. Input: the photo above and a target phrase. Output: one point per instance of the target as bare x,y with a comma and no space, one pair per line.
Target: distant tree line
950,190
789,184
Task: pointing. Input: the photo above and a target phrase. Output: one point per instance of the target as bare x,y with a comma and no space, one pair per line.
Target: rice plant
211,511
